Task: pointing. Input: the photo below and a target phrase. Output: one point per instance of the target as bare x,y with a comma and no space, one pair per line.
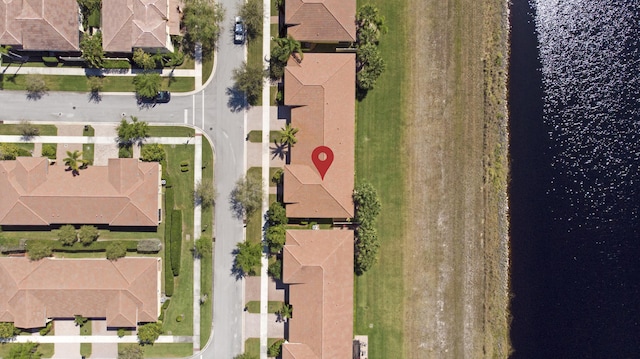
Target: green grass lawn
255,136
81,83
206,262
85,348
45,349
207,67
87,152
182,185
13,129
252,345
171,131
178,350
25,146
88,131
379,294
272,307
257,171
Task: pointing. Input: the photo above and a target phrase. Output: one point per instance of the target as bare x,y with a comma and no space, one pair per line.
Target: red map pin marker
322,158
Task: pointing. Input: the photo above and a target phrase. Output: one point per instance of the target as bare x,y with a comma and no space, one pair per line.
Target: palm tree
288,135
288,46
74,162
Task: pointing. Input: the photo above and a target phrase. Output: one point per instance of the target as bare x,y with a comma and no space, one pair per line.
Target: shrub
149,333
80,320
49,151
179,318
125,152
168,273
115,250
275,269
164,307
47,329
205,193
204,247
366,201
143,59
9,151
176,241
8,330
366,248
277,175
27,129
275,349
121,332
248,256
276,214
276,236
153,152
67,235
149,246
184,163
88,234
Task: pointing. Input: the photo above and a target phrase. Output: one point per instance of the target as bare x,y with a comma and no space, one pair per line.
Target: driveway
103,350
66,350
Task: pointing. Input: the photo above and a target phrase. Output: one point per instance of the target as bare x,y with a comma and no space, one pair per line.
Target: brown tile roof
9,25
128,24
321,20
51,25
125,292
322,92
124,193
318,266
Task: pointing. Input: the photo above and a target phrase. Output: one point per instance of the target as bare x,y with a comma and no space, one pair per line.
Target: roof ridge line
338,21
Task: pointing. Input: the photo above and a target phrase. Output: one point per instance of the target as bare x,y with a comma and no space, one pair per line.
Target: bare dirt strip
456,250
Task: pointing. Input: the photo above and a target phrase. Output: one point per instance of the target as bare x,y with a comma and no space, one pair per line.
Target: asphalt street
221,115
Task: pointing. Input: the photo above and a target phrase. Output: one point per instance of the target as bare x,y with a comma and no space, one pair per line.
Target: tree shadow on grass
237,100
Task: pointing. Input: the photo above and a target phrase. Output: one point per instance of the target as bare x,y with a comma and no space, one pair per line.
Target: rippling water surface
581,217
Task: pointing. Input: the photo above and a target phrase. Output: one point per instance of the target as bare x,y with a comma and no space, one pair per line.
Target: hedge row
168,273
98,246
176,241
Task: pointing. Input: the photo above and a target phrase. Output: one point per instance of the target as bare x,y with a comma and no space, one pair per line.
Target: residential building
124,292
321,93
145,24
318,266
321,21
40,25
127,192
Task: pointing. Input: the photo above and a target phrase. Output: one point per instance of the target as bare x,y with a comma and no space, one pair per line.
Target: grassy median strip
81,83
206,262
171,131
378,294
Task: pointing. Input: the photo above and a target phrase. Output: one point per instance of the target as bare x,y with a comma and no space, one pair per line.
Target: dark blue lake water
575,189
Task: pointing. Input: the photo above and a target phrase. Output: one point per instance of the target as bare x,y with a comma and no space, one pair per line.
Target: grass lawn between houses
252,345
272,307
177,350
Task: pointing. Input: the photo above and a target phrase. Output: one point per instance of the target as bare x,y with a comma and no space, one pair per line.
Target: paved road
209,109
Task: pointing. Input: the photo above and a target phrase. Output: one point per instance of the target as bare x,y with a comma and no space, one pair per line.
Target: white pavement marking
264,278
